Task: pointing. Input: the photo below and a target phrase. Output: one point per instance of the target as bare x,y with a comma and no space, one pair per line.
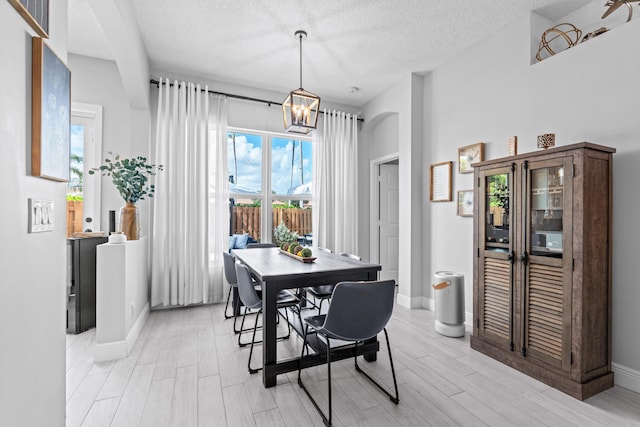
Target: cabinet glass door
546,261
495,256
497,203
547,210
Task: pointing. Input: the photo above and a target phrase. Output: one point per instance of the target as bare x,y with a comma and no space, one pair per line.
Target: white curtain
335,158
188,124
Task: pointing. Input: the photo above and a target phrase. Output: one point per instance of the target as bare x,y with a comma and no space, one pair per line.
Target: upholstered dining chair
320,293
323,292
251,299
358,311
229,267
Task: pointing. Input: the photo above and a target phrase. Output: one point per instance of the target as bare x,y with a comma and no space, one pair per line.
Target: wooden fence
246,219
74,217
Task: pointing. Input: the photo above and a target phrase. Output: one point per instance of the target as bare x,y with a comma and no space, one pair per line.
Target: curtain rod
231,95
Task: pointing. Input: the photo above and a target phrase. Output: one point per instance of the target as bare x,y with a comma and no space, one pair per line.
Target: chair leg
329,386
395,399
286,313
325,420
226,306
240,344
253,339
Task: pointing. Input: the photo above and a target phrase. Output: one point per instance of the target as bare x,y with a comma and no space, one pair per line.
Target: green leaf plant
130,176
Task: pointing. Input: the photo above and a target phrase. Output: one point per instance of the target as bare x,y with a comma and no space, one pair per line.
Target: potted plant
131,178
500,198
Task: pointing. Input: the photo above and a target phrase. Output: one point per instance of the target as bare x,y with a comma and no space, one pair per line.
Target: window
270,180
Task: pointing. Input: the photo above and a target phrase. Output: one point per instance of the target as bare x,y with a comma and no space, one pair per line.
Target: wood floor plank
211,411
289,402
101,413
157,407
229,361
237,407
118,378
269,418
184,410
167,362
133,399
207,353
79,405
188,347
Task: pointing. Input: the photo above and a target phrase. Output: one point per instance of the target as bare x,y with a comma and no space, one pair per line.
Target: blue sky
77,140
249,161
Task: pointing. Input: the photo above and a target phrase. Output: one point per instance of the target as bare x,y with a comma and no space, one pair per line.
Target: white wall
404,99
97,81
32,287
491,92
584,94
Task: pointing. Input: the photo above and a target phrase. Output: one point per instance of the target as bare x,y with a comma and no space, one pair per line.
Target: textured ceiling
368,44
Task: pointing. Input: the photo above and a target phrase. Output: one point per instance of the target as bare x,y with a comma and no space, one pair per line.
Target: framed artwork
440,182
465,203
36,13
468,155
50,114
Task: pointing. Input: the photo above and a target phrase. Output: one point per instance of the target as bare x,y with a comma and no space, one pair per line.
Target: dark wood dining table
277,271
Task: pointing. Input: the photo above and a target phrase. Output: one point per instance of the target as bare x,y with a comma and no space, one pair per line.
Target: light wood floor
186,369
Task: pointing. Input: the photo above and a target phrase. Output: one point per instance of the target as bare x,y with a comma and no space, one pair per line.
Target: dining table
276,271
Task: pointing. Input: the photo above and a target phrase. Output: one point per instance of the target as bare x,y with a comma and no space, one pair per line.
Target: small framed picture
468,155
465,203
513,145
36,13
440,182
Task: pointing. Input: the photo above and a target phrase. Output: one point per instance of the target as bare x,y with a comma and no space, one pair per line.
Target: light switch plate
40,215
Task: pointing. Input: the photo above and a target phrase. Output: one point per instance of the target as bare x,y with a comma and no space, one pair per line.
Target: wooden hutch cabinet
542,265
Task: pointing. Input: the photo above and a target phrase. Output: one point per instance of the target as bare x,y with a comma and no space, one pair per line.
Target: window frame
265,196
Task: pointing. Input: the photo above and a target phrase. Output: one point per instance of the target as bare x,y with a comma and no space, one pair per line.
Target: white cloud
249,161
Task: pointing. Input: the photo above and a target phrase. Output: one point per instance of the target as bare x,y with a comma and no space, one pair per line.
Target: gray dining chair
320,293
323,293
251,300
359,311
229,268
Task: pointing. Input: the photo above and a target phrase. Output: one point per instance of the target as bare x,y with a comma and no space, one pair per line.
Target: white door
388,221
86,153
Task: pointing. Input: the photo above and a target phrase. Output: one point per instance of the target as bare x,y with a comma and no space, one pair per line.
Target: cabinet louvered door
547,262
495,266
497,301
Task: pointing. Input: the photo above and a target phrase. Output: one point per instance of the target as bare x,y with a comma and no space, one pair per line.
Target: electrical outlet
41,215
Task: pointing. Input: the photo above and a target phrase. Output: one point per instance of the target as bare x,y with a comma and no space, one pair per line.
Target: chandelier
300,108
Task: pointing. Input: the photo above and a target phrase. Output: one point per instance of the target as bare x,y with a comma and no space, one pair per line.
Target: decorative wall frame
468,155
36,13
465,203
440,182
50,114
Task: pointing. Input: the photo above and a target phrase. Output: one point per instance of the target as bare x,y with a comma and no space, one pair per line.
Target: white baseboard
626,377
110,351
120,349
409,302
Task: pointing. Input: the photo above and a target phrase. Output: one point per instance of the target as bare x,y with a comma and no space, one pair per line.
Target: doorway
385,235
83,190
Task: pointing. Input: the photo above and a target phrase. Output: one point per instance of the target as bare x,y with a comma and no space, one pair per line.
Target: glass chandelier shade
300,108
